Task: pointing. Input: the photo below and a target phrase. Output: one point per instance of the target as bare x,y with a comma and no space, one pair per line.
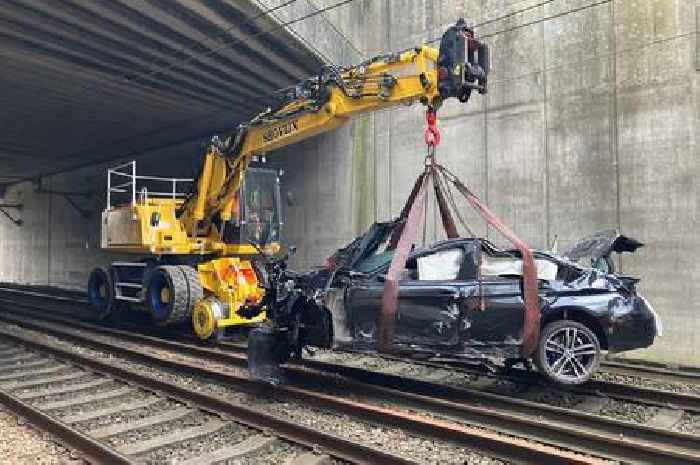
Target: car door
429,305
428,313
498,318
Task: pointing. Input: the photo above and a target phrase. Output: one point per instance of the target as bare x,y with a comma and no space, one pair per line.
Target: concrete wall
590,122
56,244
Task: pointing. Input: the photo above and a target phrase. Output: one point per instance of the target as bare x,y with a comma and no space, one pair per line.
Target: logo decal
280,131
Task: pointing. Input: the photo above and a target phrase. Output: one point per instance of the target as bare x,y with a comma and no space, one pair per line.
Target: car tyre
568,352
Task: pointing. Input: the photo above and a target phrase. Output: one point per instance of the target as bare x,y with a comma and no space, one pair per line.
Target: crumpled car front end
634,324
632,321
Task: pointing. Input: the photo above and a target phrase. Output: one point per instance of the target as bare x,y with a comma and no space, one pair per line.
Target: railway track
625,392
564,428
613,390
656,372
71,396
507,448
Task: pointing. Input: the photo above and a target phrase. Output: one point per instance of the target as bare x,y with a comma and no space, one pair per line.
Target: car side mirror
291,250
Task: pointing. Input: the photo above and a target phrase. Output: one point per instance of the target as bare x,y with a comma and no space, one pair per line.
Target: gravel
21,444
388,439
401,368
231,433
621,410
81,377
549,396
628,411
130,415
109,386
195,418
641,381
15,368
279,452
689,423
100,404
418,448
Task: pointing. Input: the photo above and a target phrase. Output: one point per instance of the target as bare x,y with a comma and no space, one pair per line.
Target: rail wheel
101,293
568,352
205,316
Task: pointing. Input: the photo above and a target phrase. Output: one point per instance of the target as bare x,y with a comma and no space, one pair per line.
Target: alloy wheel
570,353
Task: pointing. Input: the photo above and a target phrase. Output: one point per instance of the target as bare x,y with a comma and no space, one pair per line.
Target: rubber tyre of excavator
101,297
195,293
167,295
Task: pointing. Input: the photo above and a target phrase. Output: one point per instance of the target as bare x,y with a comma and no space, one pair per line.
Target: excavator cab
259,219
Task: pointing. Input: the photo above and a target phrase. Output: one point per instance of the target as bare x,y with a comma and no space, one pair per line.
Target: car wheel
568,352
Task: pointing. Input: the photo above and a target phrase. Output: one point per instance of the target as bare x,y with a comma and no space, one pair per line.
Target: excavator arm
324,102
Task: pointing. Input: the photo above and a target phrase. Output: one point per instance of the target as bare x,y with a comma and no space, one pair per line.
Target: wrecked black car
462,299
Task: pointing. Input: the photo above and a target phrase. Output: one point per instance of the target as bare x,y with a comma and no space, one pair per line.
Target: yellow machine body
152,227
234,283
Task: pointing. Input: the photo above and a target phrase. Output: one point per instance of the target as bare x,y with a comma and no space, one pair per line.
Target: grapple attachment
463,63
268,348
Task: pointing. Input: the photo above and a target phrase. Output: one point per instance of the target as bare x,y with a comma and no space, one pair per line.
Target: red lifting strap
406,233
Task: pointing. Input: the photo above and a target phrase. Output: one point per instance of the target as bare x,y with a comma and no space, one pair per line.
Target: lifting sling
405,234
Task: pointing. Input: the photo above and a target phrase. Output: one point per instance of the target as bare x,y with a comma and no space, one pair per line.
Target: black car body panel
463,297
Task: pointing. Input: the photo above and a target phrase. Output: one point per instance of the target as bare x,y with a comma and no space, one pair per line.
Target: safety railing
123,185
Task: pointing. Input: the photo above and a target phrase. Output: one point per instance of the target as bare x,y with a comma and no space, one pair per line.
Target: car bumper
634,325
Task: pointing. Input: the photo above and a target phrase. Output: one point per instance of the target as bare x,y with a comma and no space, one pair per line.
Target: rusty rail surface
632,393
340,448
93,451
575,430
505,447
659,373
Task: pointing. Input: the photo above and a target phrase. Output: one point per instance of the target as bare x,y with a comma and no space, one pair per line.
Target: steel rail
508,448
340,448
94,451
594,387
584,432
651,371
658,373
626,392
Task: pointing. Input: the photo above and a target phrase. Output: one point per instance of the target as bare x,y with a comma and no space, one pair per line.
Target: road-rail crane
199,249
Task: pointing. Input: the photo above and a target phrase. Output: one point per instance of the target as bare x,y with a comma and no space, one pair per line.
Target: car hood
601,245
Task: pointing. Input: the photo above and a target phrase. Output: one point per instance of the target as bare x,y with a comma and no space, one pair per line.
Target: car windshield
374,262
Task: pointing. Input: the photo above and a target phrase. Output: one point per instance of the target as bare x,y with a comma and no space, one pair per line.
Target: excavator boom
329,100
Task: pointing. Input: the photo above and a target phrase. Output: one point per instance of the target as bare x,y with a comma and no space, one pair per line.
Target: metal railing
139,185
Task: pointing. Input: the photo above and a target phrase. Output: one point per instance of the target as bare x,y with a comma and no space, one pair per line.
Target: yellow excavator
198,248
